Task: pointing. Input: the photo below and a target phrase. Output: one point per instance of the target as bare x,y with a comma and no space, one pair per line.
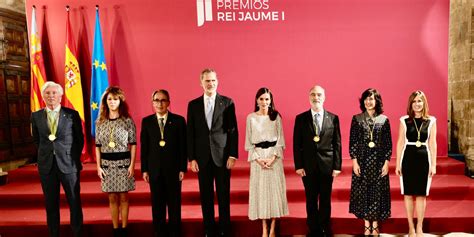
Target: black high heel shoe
368,228
376,231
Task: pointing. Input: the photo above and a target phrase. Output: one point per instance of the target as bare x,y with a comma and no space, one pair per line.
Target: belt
118,166
265,145
414,143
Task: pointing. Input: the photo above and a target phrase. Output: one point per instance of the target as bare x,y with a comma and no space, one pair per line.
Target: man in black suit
212,149
164,162
317,156
57,132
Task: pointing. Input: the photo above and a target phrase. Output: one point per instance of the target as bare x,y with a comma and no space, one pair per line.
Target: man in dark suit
57,132
317,156
212,149
164,162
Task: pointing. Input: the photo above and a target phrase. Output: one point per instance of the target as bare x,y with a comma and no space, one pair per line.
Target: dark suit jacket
324,156
221,141
167,160
68,144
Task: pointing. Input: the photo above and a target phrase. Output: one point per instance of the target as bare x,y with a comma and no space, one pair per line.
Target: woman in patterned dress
115,152
370,147
416,158
265,143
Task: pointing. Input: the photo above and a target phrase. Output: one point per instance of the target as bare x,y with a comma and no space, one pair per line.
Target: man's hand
181,176
335,173
230,162
146,177
194,166
301,172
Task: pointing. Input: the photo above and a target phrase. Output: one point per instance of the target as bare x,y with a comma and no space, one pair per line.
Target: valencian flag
99,79
72,83
38,76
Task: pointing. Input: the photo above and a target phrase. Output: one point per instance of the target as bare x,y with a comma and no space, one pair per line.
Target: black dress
370,193
416,161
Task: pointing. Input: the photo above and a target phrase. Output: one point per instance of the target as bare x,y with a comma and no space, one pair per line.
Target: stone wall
14,5
461,79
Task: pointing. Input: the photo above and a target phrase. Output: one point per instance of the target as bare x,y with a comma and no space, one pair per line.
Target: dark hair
426,109
378,100
104,108
207,71
161,91
272,112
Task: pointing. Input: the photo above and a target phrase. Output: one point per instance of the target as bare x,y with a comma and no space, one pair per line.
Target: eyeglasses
157,101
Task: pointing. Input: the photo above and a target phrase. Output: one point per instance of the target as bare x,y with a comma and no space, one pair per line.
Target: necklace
371,132
418,143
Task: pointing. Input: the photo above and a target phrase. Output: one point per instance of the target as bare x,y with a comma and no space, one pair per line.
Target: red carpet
450,205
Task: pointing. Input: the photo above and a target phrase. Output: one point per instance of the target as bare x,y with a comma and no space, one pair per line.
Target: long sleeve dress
370,193
267,189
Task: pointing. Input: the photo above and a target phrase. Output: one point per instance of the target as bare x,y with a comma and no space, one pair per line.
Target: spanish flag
38,76
72,84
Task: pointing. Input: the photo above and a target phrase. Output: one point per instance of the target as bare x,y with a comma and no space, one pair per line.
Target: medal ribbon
52,121
418,130
111,137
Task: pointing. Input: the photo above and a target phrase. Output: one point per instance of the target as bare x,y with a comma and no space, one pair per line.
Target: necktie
162,127
52,121
209,112
317,129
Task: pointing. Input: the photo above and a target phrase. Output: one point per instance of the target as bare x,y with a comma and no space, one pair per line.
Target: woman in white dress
265,143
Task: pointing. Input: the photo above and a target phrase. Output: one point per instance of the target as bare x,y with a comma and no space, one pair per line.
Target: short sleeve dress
114,136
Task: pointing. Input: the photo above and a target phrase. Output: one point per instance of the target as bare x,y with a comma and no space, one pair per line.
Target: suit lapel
43,122
169,122
61,122
310,122
218,108
202,109
325,123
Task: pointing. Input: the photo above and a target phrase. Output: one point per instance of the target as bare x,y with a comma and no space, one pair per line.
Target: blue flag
99,79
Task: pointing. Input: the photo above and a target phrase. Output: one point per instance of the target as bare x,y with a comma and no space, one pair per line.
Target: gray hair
52,84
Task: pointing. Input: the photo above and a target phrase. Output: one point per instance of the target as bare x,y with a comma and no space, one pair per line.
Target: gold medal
371,144
316,139
162,143
52,137
418,144
111,144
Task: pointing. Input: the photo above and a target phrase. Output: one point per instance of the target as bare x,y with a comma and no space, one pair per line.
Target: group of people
208,139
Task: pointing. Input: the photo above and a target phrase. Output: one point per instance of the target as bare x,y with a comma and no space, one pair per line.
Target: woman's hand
101,173
356,167
398,171
384,169
432,170
261,162
131,171
270,161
